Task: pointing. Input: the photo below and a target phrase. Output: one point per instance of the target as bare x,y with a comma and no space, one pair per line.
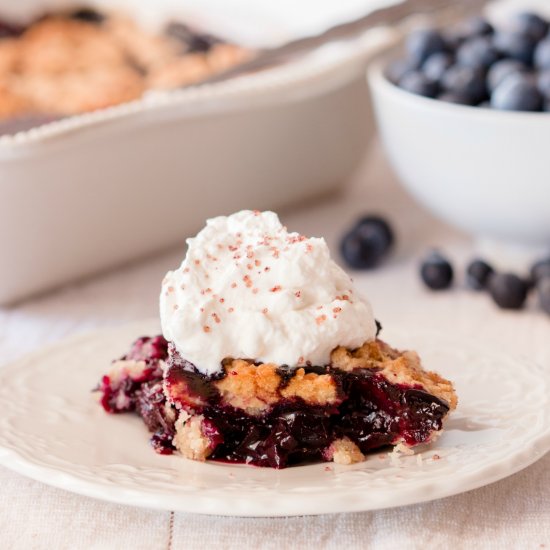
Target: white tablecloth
514,513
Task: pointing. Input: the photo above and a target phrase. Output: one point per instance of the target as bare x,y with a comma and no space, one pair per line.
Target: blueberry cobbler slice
270,357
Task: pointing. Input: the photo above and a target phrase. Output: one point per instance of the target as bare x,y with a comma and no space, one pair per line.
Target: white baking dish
89,192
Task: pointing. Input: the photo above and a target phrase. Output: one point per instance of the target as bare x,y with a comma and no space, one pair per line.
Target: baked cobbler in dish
78,61
270,357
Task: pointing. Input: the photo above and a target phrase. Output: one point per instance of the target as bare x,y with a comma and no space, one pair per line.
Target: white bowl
89,192
484,171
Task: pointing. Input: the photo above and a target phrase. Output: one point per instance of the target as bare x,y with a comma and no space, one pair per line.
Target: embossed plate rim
280,495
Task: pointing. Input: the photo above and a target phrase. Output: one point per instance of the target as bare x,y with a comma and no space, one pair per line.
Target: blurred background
126,124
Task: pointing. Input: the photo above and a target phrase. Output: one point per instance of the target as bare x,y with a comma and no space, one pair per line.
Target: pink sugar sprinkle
276,288
321,319
216,318
206,328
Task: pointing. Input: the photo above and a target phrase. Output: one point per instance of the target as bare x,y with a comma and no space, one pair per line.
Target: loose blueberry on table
508,290
478,273
540,269
368,243
436,271
477,64
543,290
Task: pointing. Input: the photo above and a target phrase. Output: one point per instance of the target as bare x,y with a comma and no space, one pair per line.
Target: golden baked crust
344,451
190,439
257,388
398,367
315,389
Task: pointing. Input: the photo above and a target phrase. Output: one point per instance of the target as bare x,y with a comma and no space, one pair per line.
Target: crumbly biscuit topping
61,65
397,367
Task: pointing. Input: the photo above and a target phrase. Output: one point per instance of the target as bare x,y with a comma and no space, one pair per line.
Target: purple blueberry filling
371,412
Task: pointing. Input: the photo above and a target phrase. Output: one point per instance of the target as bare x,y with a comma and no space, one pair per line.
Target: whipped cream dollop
249,289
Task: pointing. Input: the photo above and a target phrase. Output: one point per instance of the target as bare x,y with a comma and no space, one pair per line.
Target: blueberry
418,83
542,54
540,269
501,69
543,291
192,41
453,38
399,68
531,24
517,92
436,272
437,64
477,274
515,46
474,26
368,243
454,97
423,43
465,81
88,15
543,83
478,53
508,290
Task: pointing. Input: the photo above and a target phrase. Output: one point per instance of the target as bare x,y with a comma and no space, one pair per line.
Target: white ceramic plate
52,429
